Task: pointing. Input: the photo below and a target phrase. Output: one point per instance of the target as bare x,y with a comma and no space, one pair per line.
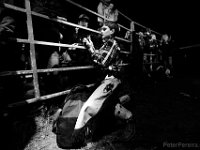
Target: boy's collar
106,40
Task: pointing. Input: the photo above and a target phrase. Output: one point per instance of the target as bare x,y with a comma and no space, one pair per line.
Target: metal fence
32,43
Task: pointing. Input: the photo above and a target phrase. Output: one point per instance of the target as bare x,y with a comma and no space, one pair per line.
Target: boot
122,112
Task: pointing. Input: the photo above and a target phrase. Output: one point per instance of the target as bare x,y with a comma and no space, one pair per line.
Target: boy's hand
73,46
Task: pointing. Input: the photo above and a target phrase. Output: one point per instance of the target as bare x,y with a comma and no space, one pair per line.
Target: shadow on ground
168,112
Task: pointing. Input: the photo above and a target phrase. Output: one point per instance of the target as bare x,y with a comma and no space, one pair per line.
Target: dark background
179,19
166,111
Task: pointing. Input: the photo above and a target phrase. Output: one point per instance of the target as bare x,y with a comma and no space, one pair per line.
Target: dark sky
180,20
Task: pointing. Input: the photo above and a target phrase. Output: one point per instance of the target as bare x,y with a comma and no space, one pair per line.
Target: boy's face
83,23
106,31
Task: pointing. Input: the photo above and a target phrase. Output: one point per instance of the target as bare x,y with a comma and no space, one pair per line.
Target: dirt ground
45,139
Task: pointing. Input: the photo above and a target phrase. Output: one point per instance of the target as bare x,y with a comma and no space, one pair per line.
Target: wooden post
32,48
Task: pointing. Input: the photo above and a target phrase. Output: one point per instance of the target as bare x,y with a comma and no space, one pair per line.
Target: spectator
45,30
9,58
79,56
79,34
73,56
48,56
166,52
107,9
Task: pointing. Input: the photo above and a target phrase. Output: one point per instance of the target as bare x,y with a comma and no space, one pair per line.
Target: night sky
179,19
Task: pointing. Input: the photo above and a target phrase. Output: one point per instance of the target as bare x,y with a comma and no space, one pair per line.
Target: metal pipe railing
43,98
32,48
24,72
190,46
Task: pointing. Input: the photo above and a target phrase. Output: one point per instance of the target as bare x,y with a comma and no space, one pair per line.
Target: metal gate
34,71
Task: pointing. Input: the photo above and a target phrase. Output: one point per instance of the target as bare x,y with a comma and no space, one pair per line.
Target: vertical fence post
132,28
32,48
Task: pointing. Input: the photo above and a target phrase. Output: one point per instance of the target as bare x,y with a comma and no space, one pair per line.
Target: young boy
103,104
100,114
